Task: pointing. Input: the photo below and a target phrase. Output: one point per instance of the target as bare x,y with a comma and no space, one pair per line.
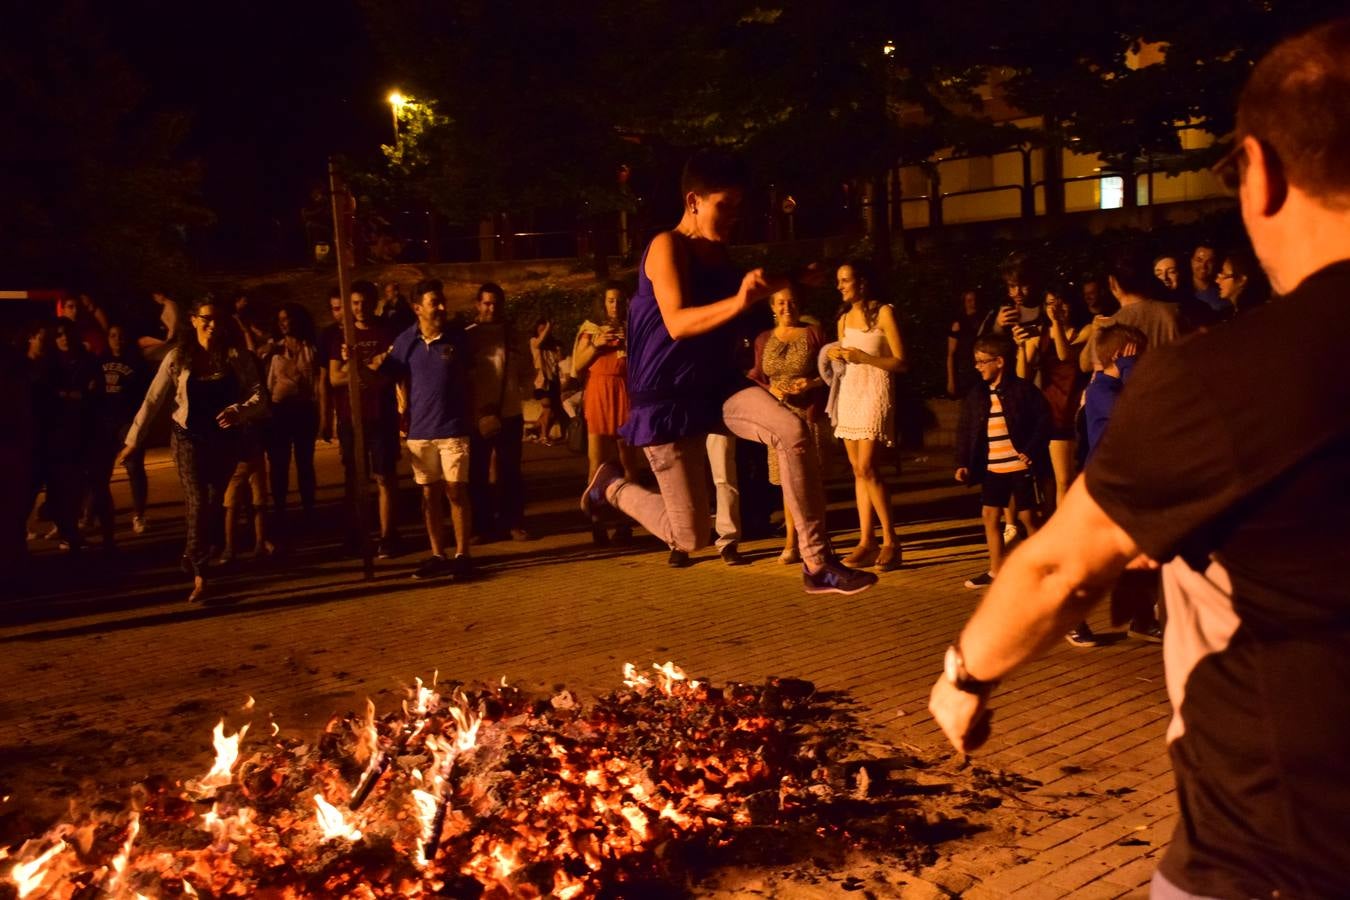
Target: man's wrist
955,672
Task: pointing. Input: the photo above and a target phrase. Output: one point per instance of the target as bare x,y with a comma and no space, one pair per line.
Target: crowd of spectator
250,395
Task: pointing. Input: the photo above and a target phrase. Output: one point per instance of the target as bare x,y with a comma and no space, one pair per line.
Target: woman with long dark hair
1050,359
870,345
212,387
600,355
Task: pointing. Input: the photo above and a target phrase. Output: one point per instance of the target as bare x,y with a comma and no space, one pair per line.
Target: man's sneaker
833,578
432,567
519,534
461,568
1009,533
138,524
593,500
1082,636
984,579
1151,633
731,555
388,547
678,559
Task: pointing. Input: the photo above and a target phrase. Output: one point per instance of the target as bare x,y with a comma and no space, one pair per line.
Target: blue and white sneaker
834,578
593,500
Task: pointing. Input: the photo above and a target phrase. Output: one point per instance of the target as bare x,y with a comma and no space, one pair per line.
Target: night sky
273,88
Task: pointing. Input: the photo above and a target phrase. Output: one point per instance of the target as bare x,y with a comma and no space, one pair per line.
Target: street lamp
396,102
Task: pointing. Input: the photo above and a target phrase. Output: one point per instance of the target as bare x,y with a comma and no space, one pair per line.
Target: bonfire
469,792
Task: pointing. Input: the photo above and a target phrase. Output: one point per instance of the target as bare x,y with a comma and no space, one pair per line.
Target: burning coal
474,792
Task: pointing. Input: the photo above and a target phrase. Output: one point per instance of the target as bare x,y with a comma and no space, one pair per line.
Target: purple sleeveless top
677,388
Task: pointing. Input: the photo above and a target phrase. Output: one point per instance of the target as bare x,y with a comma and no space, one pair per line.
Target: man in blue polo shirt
430,361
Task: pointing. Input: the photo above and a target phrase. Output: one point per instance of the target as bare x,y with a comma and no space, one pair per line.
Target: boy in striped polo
1002,442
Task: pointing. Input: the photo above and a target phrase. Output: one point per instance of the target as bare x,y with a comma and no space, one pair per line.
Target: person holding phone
600,355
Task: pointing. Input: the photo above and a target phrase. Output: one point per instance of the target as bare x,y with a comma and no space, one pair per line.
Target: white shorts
439,459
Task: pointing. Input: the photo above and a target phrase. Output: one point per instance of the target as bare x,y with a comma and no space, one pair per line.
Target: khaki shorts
439,459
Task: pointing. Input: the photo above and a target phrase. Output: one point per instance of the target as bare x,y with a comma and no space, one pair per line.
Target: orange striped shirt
1002,454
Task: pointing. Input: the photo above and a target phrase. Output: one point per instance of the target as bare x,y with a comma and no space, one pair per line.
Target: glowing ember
471,792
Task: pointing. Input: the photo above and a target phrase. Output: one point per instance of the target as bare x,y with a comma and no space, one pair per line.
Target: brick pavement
105,678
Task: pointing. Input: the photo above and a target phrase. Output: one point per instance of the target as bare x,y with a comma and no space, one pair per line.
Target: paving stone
306,637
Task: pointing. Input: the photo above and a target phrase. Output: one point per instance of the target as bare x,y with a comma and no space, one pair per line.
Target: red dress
1062,384
606,397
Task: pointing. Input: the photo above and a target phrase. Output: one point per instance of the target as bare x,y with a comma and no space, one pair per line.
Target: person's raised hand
754,286
1008,316
1130,349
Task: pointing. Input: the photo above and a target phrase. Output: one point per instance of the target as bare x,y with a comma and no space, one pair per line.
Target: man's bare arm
1043,590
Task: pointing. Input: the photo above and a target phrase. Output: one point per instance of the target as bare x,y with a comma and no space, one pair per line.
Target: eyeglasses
209,320
1229,169
1225,275
985,362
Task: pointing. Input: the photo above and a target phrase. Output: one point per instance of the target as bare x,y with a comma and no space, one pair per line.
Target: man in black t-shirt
1246,509
379,406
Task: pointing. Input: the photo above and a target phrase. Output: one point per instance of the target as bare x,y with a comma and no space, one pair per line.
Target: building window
1113,192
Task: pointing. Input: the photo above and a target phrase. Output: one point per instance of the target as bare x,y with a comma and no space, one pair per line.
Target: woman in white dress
870,345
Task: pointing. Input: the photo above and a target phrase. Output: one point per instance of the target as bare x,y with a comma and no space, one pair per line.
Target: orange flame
28,876
227,754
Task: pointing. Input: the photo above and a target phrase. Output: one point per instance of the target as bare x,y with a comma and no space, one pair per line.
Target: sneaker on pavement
593,500
461,568
138,524
984,579
519,534
1151,633
834,578
1082,636
432,567
388,547
678,559
731,555
1009,533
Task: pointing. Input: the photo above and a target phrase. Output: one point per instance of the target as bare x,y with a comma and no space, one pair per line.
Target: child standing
1002,443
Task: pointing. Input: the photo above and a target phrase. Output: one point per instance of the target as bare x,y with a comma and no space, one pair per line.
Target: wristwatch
954,670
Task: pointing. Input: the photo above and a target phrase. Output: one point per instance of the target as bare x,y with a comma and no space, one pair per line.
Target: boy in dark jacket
1002,443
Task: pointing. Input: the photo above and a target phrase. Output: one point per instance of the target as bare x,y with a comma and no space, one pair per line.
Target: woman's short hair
711,170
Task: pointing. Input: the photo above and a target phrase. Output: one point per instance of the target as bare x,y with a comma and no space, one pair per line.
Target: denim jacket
172,377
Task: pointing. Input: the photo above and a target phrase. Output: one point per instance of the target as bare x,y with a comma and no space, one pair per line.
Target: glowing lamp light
396,99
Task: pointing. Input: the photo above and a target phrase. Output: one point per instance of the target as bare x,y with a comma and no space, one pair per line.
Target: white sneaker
138,524
1009,533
